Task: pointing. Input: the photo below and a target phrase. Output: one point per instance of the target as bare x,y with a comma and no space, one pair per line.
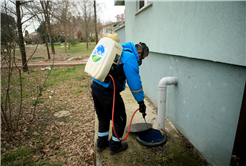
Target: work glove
142,108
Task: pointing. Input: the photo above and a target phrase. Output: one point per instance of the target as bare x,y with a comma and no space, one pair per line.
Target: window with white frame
109,31
142,3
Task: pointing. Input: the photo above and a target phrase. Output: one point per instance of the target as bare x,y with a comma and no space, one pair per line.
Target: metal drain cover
139,127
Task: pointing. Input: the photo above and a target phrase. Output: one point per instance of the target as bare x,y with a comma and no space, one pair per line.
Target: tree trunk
51,39
45,7
21,39
86,26
46,41
95,20
87,38
90,39
49,28
65,25
65,38
69,36
86,34
69,42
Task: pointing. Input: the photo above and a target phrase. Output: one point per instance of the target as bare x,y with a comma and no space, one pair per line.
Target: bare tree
21,39
69,28
46,40
8,38
61,24
46,11
66,3
11,105
44,25
85,6
88,21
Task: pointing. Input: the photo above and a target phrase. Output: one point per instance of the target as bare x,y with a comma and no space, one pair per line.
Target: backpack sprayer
103,60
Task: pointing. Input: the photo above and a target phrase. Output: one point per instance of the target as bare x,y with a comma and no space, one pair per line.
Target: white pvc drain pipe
162,99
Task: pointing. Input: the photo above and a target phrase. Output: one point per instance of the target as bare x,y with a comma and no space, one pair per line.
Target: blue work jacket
129,59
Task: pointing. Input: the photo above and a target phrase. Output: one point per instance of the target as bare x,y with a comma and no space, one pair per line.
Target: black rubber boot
124,146
100,149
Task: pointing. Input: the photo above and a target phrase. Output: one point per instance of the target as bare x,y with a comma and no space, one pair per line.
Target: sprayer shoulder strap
128,51
117,70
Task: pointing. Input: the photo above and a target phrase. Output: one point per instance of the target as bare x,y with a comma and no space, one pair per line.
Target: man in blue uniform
102,93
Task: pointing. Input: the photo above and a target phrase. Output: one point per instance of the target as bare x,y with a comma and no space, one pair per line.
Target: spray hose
113,114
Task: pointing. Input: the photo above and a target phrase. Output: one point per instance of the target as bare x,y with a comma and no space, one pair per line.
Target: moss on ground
174,152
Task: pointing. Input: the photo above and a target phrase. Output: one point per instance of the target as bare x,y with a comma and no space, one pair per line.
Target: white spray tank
105,56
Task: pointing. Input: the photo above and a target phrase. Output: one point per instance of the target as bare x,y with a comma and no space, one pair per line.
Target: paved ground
42,63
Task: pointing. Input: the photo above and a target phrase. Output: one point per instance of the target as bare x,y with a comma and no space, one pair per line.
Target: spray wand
144,114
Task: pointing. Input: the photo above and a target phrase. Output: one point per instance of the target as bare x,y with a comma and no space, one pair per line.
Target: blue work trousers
103,105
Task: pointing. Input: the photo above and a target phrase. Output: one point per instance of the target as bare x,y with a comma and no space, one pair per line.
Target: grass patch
53,75
78,92
80,77
63,74
64,119
50,100
57,72
23,77
63,152
37,101
47,111
32,83
23,156
37,139
85,85
76,119
76,48
61,107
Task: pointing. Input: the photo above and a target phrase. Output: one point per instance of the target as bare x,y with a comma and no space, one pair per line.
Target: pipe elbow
168,81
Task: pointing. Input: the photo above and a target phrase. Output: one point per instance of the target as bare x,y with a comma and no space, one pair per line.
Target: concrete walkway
176,151
42,63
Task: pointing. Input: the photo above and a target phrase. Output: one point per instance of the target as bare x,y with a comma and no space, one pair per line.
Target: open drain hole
144,138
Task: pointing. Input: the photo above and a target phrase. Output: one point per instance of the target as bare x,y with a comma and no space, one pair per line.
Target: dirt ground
41,54
50,139
67,139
